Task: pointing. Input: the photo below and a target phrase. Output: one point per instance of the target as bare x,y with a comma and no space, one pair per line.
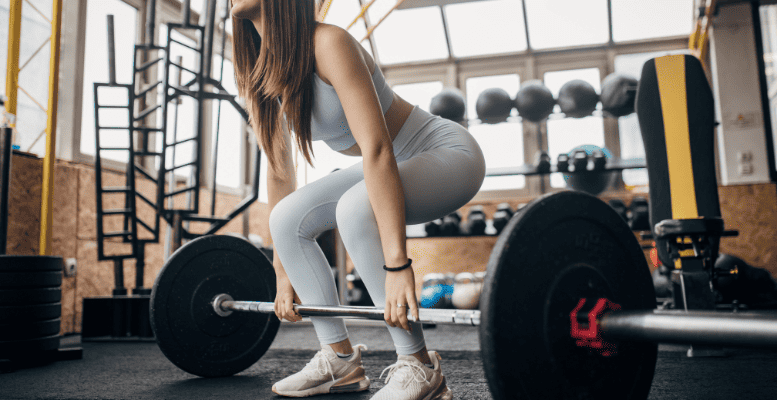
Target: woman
316,80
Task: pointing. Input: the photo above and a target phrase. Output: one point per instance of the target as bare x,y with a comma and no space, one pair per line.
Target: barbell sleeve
692,327
436,316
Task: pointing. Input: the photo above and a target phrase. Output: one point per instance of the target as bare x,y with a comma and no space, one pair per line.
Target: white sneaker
408,379
326,373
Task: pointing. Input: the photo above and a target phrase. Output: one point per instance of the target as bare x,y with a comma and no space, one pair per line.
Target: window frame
532,64
453,72
487,67
72,63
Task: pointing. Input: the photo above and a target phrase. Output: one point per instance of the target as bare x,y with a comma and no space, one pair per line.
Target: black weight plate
30,263
189,332
556,250
15,297
24,348
26,313
31,279
29,330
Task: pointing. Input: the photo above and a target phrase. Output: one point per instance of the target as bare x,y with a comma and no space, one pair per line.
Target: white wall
741,134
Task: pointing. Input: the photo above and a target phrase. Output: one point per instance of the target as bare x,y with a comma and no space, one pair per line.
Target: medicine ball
577,99
493,105
534,101
618,94
449,104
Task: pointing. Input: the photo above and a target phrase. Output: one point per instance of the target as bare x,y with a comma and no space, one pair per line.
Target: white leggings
441,168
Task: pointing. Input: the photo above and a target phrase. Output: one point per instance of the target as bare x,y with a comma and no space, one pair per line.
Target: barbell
568,308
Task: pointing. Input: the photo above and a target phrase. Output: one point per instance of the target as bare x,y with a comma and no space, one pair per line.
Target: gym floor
111,370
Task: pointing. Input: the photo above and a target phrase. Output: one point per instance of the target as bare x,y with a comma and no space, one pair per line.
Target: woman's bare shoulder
330,40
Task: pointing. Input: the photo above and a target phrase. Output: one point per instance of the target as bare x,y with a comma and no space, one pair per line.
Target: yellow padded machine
676,115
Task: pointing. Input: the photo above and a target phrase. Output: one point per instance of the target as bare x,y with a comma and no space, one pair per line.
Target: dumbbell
502,216
562,163
599,160
451,224
476,221
620,207
639,214
466,292
579,160
542,162
433,228
450,278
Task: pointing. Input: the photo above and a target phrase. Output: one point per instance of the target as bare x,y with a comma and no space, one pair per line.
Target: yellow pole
47,194
372,28
12,70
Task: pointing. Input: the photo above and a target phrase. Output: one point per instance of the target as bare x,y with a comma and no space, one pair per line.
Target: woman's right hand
285,298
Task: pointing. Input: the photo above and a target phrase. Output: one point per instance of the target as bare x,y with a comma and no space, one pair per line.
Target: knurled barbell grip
438,316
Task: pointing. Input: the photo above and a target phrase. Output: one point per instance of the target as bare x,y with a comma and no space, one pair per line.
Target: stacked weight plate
30,306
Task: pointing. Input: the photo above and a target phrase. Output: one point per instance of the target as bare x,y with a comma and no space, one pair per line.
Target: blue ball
436,296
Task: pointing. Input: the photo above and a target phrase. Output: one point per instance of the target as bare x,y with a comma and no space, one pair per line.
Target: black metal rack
130,311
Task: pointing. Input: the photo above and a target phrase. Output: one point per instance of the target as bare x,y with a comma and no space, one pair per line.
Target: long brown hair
275,75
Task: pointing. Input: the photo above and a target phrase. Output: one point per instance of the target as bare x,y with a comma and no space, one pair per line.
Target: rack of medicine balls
587,168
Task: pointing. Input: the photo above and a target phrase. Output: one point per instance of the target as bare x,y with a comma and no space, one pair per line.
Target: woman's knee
283,219
355,216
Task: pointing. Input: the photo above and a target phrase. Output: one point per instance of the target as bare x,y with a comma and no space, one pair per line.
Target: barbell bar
661,326
223,305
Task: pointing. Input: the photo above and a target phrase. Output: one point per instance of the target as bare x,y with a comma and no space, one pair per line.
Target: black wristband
409,261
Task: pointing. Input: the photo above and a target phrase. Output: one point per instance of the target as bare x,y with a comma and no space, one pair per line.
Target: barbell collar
435,316
692,327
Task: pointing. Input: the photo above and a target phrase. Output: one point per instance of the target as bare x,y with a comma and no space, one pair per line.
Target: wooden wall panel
752,210
64,233
24,205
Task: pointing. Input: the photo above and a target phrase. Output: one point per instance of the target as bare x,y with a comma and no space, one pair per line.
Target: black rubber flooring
111,370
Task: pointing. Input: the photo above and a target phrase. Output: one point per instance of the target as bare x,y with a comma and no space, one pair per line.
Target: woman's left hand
400,290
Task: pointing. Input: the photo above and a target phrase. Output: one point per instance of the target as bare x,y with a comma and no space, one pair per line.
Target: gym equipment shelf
529,169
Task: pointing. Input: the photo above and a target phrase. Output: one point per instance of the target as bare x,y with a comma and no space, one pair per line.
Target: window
639,19
198,6
486,27
325,161
33,92
96,70
229,125
181,114
410,35
413,35
419,94
342,13
769,34
502,143
4,16
564,134
565,23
